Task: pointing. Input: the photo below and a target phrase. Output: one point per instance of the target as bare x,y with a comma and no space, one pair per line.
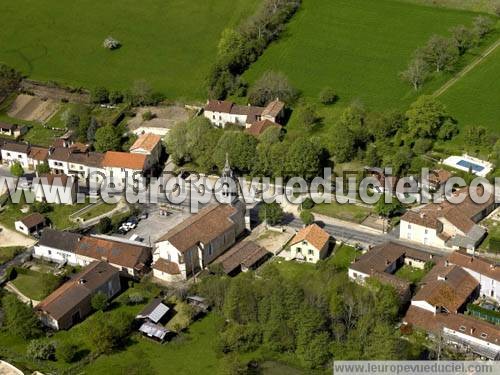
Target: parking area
156,225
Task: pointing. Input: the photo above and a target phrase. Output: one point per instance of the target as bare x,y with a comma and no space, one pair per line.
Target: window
220,117
8,153
49,252
311,251
461,328
426,231
299,250
409,226
213,117
483,335
19,156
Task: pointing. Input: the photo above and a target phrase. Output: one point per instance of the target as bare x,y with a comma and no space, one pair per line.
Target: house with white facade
78,250
31,224
221,112
310,244
447,225
14,152
438,308
123,169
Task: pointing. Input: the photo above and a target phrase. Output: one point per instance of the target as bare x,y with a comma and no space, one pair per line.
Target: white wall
471,339
221,119
306,251
55,255
417,233
10,157
489,287
20,227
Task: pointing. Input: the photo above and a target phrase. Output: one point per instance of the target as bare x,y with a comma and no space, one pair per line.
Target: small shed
154,331
198,302
154,311
31,224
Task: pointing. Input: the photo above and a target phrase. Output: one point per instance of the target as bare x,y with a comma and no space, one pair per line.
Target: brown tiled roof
33,220
447,286
80,287
164,265
258,127
252,112
435,322
205,226
312,234
273,109
246,253
115,252
91,159
59,239
126,160
38,153
79,147
402,286
6,126
60,154
222,106
478,264
146,141
439,176
16,147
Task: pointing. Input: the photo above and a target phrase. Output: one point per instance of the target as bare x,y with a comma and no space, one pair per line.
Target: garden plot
161,121
32,108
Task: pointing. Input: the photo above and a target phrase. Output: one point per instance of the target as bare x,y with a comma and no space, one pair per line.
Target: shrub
17,169
11,273
41,207
99,95
148,115
40,350
328,96
66,352
272,213
308,204
111,43
135,298
104,225
99,301
115,97
307,217
494,245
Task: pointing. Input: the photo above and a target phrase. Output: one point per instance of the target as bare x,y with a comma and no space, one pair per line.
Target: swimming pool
470,166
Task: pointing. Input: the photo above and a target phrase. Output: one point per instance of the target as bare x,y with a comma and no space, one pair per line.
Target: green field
358,47
348,212
29,283
474,100
171,44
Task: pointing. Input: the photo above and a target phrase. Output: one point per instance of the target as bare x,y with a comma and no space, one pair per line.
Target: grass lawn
343,256
359,48
7,253
411,274
171,44
475,5
474,100
98,210
29,283
40,136
348,212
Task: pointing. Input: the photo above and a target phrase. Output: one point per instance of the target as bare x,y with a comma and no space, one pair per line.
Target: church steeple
229,183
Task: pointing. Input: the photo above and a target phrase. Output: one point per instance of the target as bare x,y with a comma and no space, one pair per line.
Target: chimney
447,263
104,259
82,281
442,278
422,215
472,330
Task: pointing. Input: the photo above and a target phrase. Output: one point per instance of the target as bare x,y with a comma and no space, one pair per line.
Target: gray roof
154,330
59,240
470,241
154,311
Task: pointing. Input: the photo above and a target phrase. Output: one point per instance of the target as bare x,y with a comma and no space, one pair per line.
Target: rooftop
312,234
125,160
146,142
33,220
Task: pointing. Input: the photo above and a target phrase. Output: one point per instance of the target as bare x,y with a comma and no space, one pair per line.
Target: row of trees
198,142
141,94
442,54
9,80
238,48
314,317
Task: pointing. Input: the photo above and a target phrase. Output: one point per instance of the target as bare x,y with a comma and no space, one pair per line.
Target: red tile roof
312,234
164,265
146,142
125,160
257,128
480,265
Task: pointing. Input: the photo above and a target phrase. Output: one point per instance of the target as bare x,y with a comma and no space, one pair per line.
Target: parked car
143,216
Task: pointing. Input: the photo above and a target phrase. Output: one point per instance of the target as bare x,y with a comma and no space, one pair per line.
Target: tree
240,148
417,73
271,86
115,97
73,121
344,147
9,80
101,336
463,38
307,217
99,95
387,209
40,350
17,170
271,135
425,117
41,207
42,168
447,131
307,115
303,158
106,139
66,352
422,145
147,116
91,130
142,94
475,136
440,52
497,9
482,26
99,301
20,319
272,213
328,96
49,282
308,204
104,225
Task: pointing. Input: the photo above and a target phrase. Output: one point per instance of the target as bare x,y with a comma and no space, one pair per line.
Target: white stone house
13,152
310,244
123,169
30,224
150,145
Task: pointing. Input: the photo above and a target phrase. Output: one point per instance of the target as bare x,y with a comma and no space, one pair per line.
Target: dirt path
467,69
8,237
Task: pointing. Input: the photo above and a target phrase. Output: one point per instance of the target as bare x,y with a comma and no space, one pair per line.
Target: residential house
484,271
310,244
31,224
123,169
198,241
12,130
221,113
75,249
56,189
381,263
438,178
71,302
14,152
438,308
447,225
37,156
150,145
243,256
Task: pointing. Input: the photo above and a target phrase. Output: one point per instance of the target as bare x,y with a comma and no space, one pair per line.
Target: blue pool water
473,167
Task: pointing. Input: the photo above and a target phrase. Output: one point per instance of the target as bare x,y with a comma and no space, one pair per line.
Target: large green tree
425,117
20,320
106,139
